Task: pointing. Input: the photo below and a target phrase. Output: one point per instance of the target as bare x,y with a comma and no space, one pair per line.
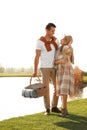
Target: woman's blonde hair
67,39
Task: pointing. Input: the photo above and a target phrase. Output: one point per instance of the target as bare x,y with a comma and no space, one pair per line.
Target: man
45,50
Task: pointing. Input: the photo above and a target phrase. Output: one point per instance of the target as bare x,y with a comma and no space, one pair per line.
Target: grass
76,120
21,74
85,78
24,74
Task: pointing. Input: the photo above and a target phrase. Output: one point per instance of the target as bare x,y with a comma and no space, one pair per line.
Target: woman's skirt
65,80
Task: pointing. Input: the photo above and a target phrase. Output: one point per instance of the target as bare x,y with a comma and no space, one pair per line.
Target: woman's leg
64,101
64,105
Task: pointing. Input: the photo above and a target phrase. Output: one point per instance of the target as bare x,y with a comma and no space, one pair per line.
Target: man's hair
49,25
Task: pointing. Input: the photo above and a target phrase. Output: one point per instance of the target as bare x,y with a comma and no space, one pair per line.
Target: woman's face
62,42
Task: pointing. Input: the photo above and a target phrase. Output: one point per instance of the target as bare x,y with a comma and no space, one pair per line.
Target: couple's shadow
73,122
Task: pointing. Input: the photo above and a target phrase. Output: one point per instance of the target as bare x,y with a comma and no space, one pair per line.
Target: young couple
56,64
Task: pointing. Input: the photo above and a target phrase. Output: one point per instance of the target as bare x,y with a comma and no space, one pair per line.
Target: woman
64,71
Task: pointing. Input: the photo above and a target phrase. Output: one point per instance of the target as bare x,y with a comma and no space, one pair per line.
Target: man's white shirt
47,57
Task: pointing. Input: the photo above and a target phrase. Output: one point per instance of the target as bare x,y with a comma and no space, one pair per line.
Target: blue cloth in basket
31,93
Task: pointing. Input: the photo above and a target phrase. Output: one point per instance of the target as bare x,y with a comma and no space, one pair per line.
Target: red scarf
47,43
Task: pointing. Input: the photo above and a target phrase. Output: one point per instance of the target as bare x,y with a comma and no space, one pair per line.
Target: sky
22,22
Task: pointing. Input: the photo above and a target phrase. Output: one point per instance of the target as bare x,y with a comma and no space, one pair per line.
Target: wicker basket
34,90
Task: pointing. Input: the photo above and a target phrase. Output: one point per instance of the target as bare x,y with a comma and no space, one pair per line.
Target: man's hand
34,74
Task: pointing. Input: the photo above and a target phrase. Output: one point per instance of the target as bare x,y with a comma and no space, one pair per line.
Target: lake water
13,104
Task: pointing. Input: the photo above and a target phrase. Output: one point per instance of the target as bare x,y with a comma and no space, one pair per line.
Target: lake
13,104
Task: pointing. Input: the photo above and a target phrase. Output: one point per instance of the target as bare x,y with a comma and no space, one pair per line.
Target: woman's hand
56,62
60,61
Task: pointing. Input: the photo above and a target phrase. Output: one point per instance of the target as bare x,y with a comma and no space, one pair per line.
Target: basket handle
38,79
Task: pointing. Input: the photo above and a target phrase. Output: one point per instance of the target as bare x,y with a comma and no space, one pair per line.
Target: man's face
50,32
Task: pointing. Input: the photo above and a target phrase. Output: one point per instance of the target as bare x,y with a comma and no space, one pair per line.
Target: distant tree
85,73
78,74
78,78
1,68
22,70
10,70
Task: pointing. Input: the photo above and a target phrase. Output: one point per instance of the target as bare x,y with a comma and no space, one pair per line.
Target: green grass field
85,78
76,120
22,74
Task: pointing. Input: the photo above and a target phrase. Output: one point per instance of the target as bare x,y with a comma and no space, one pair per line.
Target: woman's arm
60,61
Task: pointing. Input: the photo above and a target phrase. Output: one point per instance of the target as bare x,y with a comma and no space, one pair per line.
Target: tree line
15,70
